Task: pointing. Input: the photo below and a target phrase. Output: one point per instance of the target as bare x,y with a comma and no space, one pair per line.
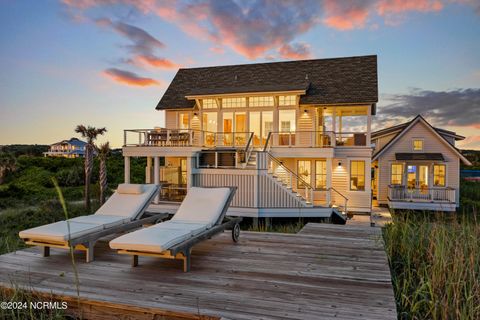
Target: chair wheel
236,232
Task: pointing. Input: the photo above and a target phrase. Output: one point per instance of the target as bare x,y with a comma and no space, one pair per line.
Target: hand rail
300,138
308,188
345,199
266,147
249,148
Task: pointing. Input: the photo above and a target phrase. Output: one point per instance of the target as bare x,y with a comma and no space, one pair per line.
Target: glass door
417,176
255,125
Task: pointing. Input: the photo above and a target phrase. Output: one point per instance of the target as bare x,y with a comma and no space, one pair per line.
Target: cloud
295,51
471,142
458,107
129,78
346,15
154,61
142,41
255,28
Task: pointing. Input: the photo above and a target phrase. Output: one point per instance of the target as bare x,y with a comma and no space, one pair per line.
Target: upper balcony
162,137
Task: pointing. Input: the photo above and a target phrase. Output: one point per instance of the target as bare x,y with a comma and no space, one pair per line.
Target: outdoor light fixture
195,114
305,111
339,163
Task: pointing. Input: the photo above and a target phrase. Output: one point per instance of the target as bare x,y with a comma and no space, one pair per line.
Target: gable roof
325,81
401,126
407,126
72,141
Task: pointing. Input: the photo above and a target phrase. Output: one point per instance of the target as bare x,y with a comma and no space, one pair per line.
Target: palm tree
90,133
103,152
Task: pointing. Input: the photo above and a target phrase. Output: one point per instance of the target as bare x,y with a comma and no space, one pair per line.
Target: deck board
323,272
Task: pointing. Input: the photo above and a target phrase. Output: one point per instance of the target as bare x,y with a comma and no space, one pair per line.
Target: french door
417,176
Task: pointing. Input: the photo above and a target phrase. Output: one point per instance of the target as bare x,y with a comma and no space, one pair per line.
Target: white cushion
105,221
58,231
150,240
202,205
193,228
130,188
127,205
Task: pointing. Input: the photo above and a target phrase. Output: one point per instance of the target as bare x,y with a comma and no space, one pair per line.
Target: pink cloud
156,62
295,51
384,7
129,78
471,142
346,15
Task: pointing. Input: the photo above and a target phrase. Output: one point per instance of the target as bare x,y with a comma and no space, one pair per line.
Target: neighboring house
294,137
416,166
72,148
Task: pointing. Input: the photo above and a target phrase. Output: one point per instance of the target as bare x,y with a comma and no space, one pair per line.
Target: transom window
357,175
417,144
209,104
321,174
439,171
260,102
234,102
287,100
396,174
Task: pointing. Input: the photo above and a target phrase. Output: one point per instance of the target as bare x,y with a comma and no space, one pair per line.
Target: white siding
432,144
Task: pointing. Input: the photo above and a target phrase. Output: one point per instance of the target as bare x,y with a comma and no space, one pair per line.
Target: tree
7,164
90,133
103,152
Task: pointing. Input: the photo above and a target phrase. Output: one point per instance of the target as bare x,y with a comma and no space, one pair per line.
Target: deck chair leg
45,251
134,260
90,252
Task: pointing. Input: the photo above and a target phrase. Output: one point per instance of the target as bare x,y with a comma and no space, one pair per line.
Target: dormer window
417,144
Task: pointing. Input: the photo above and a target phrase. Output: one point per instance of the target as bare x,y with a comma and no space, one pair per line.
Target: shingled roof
326,81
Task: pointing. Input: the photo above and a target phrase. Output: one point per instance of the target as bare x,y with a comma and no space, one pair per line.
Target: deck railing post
124,137
216,159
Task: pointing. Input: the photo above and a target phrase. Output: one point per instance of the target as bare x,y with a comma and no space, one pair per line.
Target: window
439,171
286,120
304,171
287,100
234,102
417,145
396,177
260,102
183,171
209,121
357,175
209,104
183,121
321,174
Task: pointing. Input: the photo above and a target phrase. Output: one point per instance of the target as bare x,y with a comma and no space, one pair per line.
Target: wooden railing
300,139
402,193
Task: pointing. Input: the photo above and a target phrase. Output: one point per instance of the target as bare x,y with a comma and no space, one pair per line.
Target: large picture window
304,170
357,175
439,172
320,174
396,177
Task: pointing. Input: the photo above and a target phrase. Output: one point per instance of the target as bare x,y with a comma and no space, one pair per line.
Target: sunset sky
108,62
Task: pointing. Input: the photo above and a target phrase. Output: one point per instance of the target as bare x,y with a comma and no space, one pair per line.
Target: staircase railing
345,199
248,149
290,178
268,145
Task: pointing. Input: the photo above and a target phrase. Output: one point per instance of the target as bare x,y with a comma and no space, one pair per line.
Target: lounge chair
200,216
123,211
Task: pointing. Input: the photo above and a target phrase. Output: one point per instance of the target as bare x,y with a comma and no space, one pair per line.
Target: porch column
189,173
148,171
329,181
127,169
156,175
369,126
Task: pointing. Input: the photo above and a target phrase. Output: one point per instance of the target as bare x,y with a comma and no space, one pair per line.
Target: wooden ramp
324,272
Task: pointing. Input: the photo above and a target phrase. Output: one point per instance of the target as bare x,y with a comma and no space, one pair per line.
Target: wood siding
431,144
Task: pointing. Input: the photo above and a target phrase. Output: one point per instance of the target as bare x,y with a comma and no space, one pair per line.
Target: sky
107,63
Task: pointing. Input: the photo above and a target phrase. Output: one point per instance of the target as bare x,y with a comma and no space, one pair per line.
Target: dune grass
435,265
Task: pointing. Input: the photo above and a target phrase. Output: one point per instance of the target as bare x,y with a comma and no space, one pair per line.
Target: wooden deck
324,272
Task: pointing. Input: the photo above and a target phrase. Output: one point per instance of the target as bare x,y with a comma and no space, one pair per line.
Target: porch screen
357,175
439,175
396,174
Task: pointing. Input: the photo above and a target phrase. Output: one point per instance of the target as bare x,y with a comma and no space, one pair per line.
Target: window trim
413,144
444,178
402,176
350,175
